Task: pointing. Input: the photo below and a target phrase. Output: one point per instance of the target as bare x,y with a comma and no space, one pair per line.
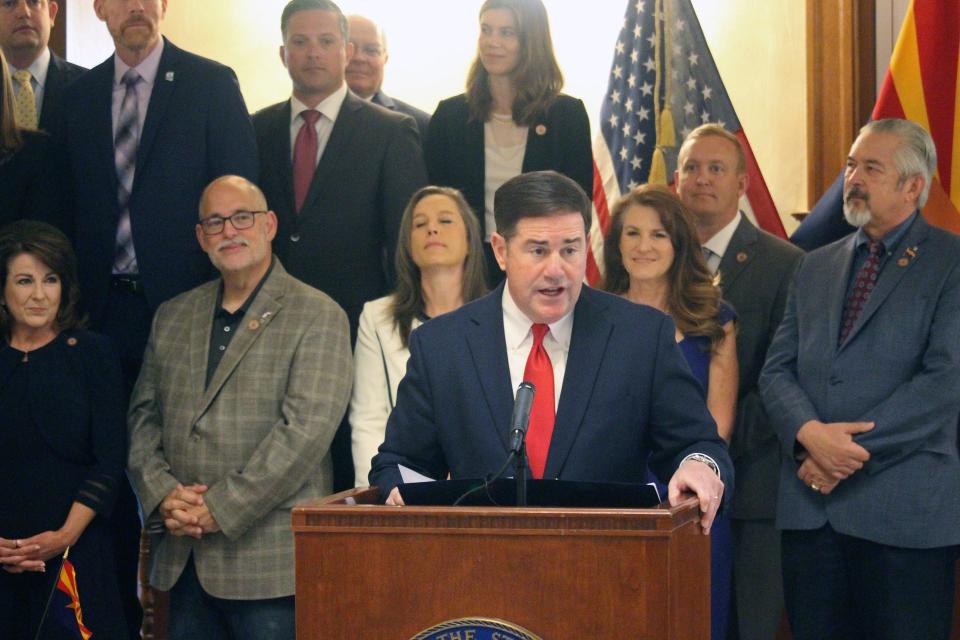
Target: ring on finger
815,487
17,543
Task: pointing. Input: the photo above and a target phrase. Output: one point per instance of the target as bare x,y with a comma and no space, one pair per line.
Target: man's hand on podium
698,478
394,498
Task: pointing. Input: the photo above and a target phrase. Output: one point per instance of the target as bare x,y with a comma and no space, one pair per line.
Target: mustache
856,192
233,242
134,21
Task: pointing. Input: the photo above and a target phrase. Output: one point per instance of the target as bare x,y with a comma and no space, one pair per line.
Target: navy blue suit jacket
627,394
421,117
197,129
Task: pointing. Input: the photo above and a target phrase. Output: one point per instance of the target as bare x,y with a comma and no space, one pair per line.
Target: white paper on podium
409,476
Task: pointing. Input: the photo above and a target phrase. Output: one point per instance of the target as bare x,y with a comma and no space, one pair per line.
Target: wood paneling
840,83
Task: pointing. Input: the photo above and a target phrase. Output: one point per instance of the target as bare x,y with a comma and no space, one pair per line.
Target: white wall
432,42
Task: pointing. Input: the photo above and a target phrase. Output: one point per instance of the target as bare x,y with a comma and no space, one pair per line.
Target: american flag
663,84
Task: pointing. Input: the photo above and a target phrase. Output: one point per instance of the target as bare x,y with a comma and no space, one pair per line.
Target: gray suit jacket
755,275
899,368
258,435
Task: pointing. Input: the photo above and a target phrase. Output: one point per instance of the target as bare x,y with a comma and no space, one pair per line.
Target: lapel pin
742,256
541,129
254,325
72,341
168,76
910,254
266,314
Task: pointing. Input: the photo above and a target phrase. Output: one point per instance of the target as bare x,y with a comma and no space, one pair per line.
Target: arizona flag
65,603
663,84
921,85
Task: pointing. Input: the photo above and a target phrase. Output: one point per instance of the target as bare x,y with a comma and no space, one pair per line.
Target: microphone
520,419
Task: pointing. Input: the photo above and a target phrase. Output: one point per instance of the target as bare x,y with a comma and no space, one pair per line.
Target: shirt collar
330,106
242,311
38,68
147,68
892,239
516,325
721,239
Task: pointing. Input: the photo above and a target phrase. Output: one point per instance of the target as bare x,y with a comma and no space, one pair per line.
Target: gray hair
916,155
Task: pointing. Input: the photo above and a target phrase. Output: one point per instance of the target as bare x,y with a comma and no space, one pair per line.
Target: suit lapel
489,352
536,156
51,91
163,88
740,252
338,147
261,312
591,331
280,154
893,272
475,163
100,105
198,342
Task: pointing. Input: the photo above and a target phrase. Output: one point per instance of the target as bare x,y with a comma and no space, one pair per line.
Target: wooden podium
370,571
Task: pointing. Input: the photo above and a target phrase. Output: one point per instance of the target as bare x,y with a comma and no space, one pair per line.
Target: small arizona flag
66,602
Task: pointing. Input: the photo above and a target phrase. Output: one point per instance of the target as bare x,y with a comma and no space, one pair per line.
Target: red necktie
863,286
539,371
305,156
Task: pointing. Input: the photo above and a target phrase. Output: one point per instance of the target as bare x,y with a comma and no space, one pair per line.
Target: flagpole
53,588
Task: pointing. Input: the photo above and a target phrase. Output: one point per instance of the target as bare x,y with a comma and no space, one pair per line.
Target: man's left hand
697,478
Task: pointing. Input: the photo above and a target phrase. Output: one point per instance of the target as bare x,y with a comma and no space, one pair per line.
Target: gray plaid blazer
258,436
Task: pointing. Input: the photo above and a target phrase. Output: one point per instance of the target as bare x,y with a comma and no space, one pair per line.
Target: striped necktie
24,103
125,157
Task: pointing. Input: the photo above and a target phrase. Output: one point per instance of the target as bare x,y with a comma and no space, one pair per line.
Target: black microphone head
522,406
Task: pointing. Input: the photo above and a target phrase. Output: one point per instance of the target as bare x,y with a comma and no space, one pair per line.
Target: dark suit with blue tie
197,128
627,392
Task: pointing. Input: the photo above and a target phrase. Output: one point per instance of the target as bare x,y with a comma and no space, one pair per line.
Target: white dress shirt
329,108
519,340
719,242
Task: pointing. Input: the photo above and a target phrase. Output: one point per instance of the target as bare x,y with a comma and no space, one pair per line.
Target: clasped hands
31,554
185,513
831,455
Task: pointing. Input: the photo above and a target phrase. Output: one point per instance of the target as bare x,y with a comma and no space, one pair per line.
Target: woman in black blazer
512,118
62,443
28,179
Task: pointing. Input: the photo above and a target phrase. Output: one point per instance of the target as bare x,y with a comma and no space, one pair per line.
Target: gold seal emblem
72,342
541,129
254,325
742,256
476,629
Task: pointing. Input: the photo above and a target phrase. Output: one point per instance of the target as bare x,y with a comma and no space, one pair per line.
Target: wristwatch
705,459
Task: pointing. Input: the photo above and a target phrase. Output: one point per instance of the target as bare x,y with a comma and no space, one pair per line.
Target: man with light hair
365,70
755,268
862,384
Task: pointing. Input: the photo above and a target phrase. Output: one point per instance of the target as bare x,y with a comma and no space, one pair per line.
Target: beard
857,216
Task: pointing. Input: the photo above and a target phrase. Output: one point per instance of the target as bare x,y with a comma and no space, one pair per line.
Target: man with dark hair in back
338,171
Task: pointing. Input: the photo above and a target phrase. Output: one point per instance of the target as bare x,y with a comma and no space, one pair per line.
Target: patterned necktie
539,371
24,103
125,157
305,156
863,286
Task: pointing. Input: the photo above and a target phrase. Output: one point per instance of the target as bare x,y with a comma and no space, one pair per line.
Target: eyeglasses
240,220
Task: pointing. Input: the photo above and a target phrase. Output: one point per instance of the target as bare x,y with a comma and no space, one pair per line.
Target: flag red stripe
939,22
758,194
888,103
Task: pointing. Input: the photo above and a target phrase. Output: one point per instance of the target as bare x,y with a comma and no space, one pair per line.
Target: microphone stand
520,473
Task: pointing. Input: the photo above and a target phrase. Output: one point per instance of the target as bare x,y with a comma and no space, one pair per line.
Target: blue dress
696,349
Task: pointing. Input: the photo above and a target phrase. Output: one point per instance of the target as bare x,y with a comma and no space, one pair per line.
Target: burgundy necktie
305,156
539,371
863,286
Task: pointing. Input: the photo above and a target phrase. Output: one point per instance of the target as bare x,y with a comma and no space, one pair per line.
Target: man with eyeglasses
244,382
365,70
39,75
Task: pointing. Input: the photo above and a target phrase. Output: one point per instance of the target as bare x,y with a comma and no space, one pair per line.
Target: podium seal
475,629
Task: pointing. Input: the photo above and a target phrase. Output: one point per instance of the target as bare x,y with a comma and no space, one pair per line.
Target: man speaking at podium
613,391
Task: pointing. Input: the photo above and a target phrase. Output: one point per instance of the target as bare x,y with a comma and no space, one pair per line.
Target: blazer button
295,237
